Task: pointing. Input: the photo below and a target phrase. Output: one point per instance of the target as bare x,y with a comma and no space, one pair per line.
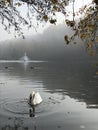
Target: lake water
69,91
65,76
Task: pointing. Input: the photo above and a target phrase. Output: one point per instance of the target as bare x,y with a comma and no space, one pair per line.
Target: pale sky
78,4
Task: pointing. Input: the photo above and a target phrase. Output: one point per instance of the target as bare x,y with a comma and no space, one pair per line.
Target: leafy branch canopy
45,11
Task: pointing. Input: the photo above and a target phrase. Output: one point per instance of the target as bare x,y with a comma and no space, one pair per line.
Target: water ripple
20,107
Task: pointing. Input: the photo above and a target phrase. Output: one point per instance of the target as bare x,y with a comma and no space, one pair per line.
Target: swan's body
35,98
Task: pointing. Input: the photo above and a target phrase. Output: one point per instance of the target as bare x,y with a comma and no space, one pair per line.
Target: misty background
49,45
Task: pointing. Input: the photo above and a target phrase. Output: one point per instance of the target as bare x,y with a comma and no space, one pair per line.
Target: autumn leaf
69,23
97,18
89,44
55,8
45,17
54,1
9,1
91,27
53,21
18,4
84,36
66,39
3,2
97,72
96,39
91,52
74,42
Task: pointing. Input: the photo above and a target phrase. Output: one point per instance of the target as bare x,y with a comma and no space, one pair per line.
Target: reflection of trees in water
8,127
17,125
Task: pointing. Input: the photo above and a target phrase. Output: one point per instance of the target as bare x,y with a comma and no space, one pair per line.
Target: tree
96,1
43,10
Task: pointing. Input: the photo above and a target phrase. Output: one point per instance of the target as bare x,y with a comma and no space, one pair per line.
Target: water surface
68,89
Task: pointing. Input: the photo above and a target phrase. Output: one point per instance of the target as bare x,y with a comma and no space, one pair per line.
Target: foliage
45,11
86,29
10,17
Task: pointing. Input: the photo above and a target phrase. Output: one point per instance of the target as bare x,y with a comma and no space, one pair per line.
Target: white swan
35,98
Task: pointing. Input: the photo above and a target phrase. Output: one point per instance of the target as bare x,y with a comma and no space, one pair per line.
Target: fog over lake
47,46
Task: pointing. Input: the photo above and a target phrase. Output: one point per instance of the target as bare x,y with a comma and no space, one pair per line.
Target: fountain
25,58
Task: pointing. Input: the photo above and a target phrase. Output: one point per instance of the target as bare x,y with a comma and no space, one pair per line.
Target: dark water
69,91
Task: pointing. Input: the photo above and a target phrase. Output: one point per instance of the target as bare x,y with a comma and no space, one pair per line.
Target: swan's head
31,97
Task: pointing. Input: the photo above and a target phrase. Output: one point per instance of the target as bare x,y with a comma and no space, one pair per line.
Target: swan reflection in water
32,111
